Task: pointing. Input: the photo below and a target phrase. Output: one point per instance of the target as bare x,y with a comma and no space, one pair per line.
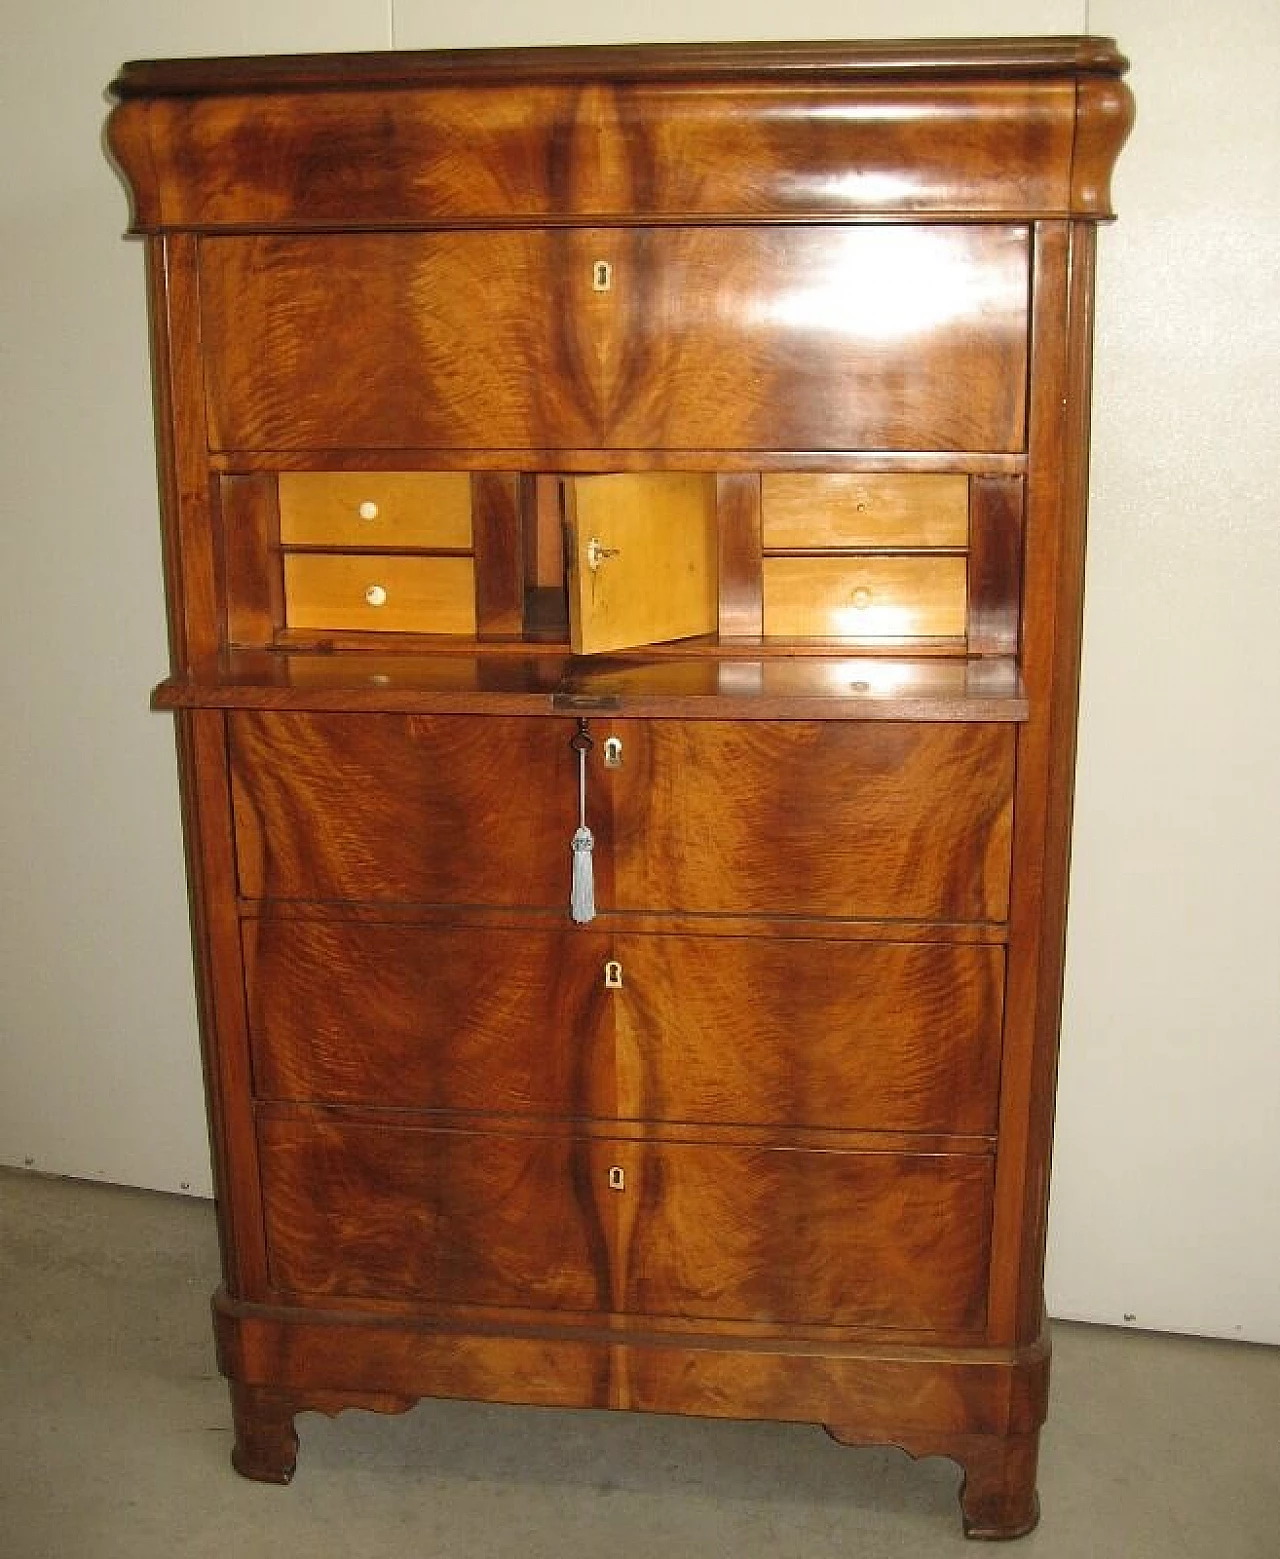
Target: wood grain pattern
694,1231
888,1037
739,552
469,339
474,1019
642,551
816,338
715,685
866,600
498,506
995,565
248,520
380,593
809,510
409,509
814,818
416,808
684,131
497,339
884,1036
359,1211
847,285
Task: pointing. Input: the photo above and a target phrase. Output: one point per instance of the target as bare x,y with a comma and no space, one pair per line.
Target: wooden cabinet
680,451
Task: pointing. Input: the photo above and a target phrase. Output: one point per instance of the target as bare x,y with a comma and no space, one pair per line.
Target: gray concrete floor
114,1438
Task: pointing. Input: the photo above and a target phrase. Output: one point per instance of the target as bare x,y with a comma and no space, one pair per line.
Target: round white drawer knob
861,598
375,595
368,510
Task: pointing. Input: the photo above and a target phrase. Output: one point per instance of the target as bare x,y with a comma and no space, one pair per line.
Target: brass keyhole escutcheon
602,276
613,975
617,1179
613,752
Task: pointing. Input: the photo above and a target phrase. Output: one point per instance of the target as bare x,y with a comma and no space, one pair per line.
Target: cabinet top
986,129
909,60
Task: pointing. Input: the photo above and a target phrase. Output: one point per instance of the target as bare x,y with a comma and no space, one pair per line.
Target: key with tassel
582,899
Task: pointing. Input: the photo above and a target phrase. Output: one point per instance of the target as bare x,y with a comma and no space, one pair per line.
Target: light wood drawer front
375,509
686,1230
866,599
427,809
816,510
874,819
730,1031
383,594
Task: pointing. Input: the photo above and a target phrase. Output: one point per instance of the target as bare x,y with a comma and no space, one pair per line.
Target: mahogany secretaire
624,521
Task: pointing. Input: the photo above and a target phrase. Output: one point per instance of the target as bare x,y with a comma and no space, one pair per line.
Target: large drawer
874,819
679,1229
720,1030
784,337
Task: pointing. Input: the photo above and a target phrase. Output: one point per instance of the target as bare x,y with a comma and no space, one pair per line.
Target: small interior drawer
815,510
866,599
380,593
375,509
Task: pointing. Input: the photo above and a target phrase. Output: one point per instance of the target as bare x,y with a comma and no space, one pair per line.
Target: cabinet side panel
202,764
1050,635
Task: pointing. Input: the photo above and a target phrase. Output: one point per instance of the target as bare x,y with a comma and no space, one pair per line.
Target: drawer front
806,510
866,599
837,1035
842,818
385,1213
813,338
789,337
475,1020
699,1232
375,509
428,809
394,341
383,594
718,1030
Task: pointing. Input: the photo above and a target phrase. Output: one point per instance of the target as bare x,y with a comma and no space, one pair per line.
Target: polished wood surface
711,686
624,1227
866,600
825,1035
453,137
418,808
383,593
643,559
449,355
790,338
814,818
378,509
687,350
810,511
768,1134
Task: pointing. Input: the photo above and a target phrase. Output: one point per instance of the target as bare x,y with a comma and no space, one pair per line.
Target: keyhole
617,1179
613,975
602,276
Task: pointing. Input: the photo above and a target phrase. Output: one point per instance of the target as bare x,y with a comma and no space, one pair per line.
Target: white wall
1168,1165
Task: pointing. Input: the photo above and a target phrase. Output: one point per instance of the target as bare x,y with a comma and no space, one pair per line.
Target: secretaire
624,517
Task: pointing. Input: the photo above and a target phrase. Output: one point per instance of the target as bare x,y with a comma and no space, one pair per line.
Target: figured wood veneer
804,1033
532,1221
736,338
769,1135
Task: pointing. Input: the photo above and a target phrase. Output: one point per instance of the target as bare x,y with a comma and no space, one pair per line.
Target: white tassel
582,902
582,899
